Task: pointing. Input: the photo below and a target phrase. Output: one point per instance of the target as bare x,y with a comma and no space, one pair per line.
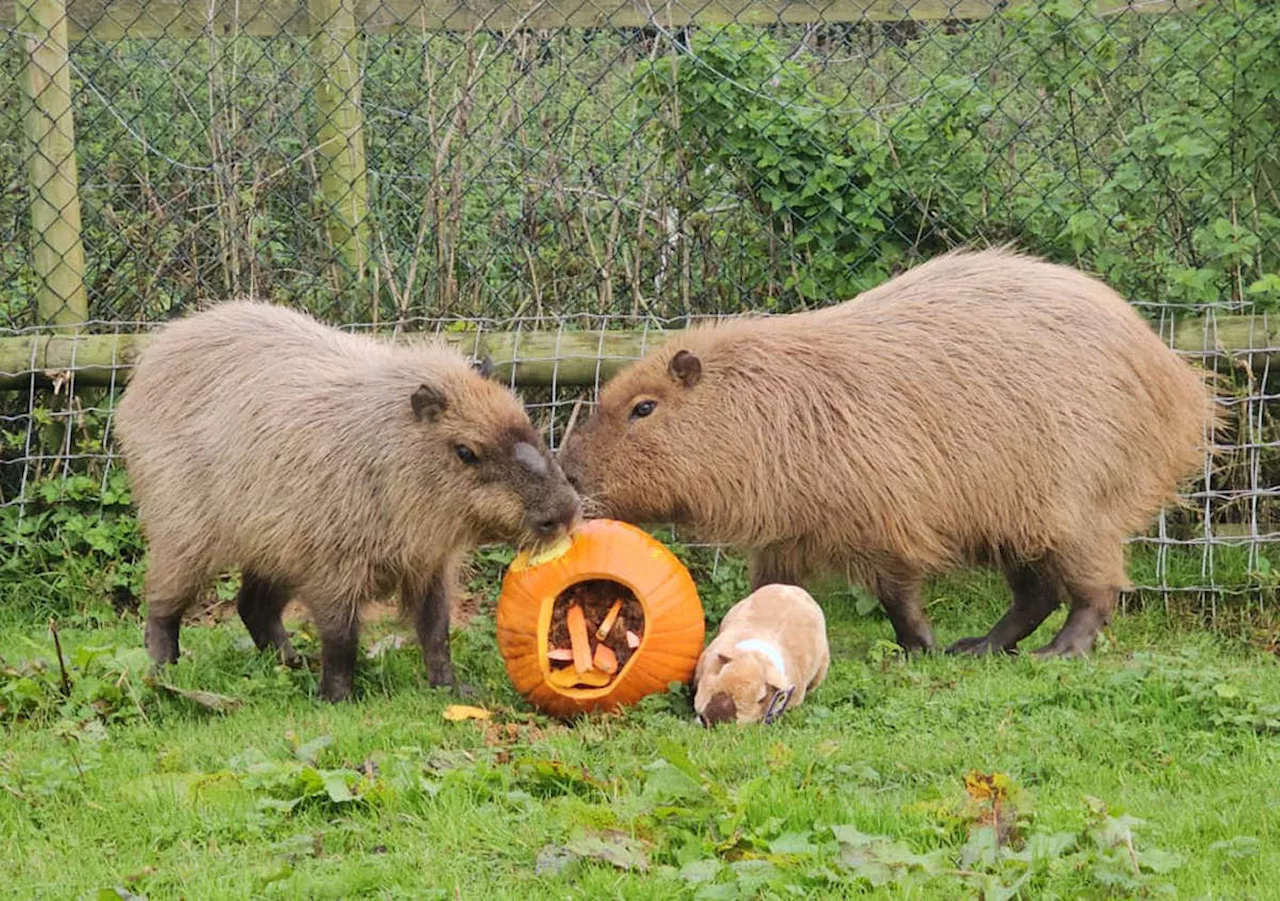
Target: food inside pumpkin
596,626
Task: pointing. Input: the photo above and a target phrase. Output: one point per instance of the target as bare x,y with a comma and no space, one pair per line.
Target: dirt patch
596,598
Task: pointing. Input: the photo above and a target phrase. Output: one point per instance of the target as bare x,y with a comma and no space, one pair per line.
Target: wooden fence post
57,249
340,131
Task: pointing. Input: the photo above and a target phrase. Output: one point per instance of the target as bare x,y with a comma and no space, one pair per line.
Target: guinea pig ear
483,366
773,680
685,368
428,403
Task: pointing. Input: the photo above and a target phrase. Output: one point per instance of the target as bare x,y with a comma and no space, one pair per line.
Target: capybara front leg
900,595
260,604
431,620
170,590
1036,594
161,637
339,642
775,564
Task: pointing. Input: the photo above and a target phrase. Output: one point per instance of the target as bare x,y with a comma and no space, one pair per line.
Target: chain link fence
557,183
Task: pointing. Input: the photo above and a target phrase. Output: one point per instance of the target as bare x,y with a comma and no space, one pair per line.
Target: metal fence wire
553,182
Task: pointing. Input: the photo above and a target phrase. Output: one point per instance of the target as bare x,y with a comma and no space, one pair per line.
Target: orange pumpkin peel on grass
603,619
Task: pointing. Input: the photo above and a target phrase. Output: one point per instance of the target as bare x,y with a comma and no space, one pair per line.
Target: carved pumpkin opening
572,588
596,626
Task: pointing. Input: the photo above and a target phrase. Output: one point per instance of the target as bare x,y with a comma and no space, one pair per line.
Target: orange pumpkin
671,634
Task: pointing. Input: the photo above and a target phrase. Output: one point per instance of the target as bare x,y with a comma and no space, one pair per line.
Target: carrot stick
563,655
605,660
609,618
576,620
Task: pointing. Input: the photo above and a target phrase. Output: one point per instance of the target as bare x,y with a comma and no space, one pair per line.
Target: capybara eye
466,454
644,408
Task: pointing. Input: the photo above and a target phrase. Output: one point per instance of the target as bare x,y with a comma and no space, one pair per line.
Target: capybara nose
562,521
720,709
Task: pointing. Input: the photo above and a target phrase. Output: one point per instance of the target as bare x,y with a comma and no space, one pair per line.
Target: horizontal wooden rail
529,358
116,19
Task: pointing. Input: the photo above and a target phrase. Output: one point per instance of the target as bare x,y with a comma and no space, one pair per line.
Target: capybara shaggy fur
985,407
333,466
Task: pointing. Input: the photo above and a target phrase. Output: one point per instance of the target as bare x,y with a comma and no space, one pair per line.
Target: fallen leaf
456,713
207,699
612,847
981,786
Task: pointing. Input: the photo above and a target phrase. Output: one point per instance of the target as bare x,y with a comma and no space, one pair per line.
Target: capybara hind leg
260,604
1094,587
900,595
430,608
169,593
1036,594
1090,613
339,642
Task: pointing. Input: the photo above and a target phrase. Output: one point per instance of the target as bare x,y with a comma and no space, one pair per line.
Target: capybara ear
685,368
484,366
428,403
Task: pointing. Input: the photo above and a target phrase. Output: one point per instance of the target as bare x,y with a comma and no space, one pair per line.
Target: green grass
125,785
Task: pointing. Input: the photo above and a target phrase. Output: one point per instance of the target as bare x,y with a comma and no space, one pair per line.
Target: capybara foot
466,690
440,673
1077,635
335,687
290,657
917,642
978,646
161,638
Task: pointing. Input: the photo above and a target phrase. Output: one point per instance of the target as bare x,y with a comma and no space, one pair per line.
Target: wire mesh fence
555,183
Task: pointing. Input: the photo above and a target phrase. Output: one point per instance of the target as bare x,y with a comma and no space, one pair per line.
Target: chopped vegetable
633,640
605,660
568,678
609,618
563,655
576,620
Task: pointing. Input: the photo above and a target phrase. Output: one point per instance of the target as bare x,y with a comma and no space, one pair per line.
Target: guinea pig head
491,467
736,689
642,455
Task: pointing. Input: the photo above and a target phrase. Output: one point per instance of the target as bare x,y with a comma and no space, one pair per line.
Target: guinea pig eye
466,454
644,408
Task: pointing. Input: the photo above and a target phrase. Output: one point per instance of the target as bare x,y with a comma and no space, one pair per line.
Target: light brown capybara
331,465
985,407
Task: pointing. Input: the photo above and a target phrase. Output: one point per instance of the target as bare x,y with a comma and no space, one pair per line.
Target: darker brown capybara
335,466
982,408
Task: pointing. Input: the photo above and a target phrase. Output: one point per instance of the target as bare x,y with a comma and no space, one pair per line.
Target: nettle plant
1143,148
69,537
827,181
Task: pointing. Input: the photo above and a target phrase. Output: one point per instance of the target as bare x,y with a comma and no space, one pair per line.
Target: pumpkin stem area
596,625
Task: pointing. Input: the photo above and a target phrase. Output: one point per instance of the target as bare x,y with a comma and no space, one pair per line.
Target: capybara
334,466
768,654
985,407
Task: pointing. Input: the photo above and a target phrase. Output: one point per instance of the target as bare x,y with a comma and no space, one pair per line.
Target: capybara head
736,689
636,457
497,466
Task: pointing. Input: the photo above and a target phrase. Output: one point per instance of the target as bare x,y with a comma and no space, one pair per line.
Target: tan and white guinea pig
770,650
